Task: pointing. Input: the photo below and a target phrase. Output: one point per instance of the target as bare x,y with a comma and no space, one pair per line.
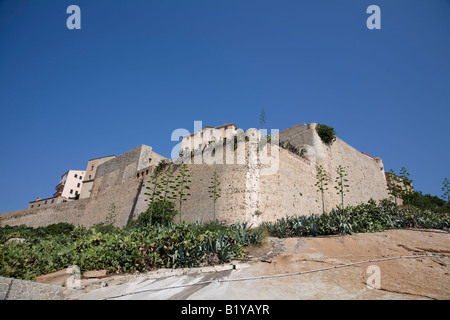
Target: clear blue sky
137,70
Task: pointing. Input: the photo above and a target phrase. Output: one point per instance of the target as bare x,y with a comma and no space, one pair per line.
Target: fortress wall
122,196
365,174
230,207
124,168
70,212
290,191
199,206
86,212
248,192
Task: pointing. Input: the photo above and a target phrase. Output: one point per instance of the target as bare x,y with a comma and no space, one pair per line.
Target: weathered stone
20,240
94,273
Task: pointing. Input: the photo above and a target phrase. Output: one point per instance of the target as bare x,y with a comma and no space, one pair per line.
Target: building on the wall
39,202
89,176
70,184
200,139
247,193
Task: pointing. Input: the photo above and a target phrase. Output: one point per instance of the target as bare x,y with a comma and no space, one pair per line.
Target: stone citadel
253,189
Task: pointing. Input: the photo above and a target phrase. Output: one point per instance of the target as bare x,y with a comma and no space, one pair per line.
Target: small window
138,174
92,168
89,177
76,192
39,205
53,201
32,205
81,177
78,185
45,202
71,191
76,176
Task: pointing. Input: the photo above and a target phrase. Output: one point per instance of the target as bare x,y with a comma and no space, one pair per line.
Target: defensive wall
249,191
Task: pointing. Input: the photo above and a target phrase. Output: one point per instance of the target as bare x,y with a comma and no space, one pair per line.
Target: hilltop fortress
264,181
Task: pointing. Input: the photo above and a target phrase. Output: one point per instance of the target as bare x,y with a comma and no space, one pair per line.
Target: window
81,177
92,168
71,191
32,205
78,185
76,192
45,202
76,176
53,201
89,177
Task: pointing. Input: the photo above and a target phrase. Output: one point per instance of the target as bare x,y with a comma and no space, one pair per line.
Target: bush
368,217
426,202
326,133
133,249
158,212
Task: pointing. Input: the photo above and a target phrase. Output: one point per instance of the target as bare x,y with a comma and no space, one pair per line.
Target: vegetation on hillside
136,248
369,217
326,133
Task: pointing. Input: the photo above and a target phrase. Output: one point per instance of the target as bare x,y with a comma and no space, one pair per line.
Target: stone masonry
250,191
12,289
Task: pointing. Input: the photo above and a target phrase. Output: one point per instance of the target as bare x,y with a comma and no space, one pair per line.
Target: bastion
273,182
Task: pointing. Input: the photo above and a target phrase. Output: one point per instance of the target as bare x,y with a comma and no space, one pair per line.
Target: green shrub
326,133
369,217
137,248
158,212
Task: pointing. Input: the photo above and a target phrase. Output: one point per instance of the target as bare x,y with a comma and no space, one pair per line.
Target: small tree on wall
262,118
214,191
326,133
182,185
394,186
446,190
321,183
165,191
406,188
341,181
154,185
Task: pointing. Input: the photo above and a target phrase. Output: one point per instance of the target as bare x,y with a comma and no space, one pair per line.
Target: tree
154,181
321,183
326,133
111,218
446,190
262,118
394,185
340,180
158,212
182,184
406,184
214,190
165,189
